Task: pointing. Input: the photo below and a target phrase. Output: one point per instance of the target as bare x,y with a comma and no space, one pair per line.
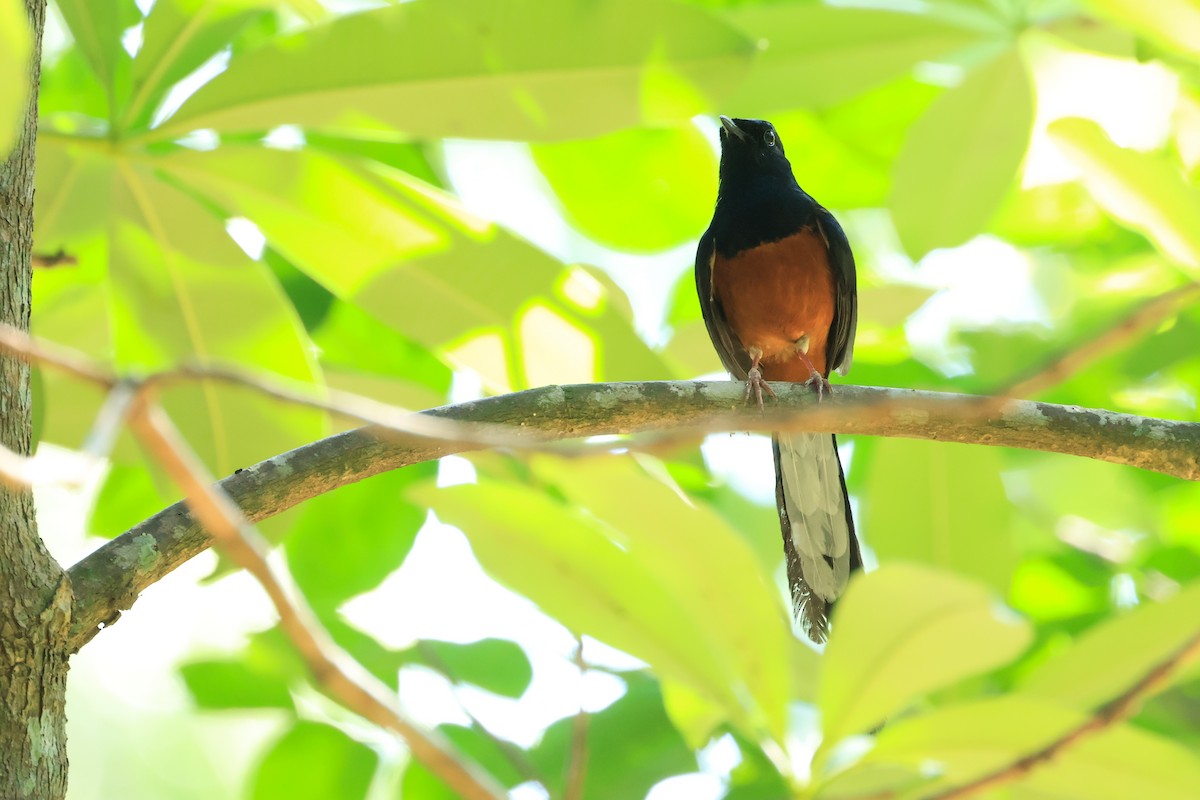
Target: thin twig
59,258
329,666
20,344
1148,315
16,470
110,419
1120,708
577,761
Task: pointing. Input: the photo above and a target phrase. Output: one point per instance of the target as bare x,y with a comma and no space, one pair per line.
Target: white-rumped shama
776,282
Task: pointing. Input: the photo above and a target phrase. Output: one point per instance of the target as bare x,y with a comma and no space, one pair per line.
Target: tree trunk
35,596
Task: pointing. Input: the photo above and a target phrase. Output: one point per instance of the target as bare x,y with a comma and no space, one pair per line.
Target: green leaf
497,665
1102,663
1174,24
519,69
941,504
704,562
315,762
1044,590
619,764
660,196
233,684
411,256
14,71
961,158
70,175
1119,763
586,580
837,172
128,495
177,37
903,631
1143,191
976,739
757,777
816,55
890,305
972,739
869,780
346,542
182,290
97,31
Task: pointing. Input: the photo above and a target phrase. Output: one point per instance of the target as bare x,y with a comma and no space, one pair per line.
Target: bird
776,280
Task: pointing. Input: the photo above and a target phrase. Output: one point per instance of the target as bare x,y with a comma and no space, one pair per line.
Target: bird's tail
819,544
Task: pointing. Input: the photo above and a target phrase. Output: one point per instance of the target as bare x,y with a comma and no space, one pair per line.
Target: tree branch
575,778
109,580
1148,315
330,668
1109,714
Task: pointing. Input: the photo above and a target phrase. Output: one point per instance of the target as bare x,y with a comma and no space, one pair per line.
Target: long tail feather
819,543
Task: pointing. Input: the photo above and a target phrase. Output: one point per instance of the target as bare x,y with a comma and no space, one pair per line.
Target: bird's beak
732,129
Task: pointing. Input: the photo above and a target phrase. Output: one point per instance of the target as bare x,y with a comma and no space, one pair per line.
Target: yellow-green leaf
962,156
704,562
968,741
1105,660
640,189
573,566
515,69
14,70
815,55
1175,24
903,631
943,505
1141,190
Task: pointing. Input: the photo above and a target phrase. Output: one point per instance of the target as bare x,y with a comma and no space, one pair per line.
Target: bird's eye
769,138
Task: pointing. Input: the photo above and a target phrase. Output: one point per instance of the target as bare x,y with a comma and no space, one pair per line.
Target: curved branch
1119,709
109,580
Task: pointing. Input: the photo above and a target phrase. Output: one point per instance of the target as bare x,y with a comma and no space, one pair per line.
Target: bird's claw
756,384
820,384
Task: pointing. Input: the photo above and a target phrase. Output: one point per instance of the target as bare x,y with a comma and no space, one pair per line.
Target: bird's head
751,148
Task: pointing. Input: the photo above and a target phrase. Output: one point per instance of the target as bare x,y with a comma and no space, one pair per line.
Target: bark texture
35,594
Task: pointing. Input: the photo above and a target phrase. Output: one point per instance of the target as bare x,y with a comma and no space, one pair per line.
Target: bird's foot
820,384
756,385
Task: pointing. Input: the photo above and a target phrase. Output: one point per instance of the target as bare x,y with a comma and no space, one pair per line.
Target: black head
750,148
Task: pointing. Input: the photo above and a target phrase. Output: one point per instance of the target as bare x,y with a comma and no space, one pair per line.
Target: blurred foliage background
433,200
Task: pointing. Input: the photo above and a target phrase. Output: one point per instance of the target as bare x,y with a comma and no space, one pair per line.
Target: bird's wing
728,346
845,303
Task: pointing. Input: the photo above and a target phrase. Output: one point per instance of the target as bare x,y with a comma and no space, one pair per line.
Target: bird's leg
816,380
754,379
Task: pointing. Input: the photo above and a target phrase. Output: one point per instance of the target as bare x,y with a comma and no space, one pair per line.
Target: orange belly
774,296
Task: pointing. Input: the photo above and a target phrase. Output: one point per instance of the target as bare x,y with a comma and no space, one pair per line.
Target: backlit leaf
500,69
314,762
586,580
414,258
940,504
1141,190
14,69
962,157
704,562
816,55
1103,662
497,665
976,739
1174,24
903,631
619,765
661,196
